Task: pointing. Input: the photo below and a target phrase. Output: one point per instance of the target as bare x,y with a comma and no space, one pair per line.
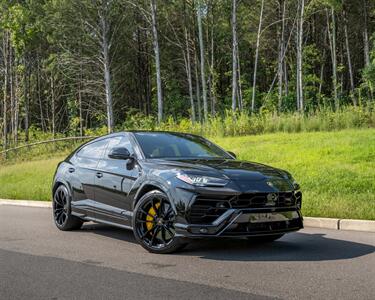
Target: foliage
55,48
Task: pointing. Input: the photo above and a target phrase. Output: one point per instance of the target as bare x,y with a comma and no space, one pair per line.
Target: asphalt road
37,261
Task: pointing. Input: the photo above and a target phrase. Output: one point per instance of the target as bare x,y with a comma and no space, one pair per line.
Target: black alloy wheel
61,210
153,221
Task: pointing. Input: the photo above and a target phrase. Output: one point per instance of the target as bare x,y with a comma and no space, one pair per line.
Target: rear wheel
153,224
265,238
62,216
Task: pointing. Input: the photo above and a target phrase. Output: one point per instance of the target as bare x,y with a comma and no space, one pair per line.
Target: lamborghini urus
172,187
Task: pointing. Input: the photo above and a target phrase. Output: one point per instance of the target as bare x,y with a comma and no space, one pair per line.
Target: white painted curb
321,222
29,203
359,225
327,223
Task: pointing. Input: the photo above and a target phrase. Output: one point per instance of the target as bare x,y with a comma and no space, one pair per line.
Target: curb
29,203
358,225
326,223
340,224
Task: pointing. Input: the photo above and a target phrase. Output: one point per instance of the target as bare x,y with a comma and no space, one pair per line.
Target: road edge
326,223
29,203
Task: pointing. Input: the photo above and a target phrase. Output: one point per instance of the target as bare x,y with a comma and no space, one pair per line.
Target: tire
265,238
153,224
62,216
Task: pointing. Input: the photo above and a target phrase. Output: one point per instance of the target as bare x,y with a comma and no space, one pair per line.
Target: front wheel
153,221
62,216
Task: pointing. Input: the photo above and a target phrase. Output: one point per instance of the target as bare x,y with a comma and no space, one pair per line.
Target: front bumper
246,222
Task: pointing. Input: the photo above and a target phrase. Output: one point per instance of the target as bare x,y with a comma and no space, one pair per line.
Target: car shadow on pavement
292,247
109,231
297,246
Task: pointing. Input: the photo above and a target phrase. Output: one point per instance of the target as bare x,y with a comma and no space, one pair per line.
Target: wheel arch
58,182
148,187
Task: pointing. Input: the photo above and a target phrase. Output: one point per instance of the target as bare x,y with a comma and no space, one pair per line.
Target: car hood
233,169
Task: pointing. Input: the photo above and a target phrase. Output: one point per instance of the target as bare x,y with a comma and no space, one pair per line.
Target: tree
200,12
366,47
256,56
349,59
300,96
157,59
332,40
282,8
234,54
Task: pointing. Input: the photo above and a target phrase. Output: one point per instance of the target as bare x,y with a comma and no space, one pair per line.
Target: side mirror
119,153
232,153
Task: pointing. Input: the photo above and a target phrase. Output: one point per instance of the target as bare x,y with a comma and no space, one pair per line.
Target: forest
75,68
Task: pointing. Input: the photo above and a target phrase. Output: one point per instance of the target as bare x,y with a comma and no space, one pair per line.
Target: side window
94,150
119,141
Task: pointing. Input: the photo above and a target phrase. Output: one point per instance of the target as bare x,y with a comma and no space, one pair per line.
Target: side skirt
108,223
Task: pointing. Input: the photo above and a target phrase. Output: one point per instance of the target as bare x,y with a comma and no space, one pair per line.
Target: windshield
175,145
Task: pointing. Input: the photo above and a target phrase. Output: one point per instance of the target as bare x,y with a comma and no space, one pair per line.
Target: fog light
203,230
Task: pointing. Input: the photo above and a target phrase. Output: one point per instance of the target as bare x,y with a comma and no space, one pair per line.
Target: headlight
295,184
199,180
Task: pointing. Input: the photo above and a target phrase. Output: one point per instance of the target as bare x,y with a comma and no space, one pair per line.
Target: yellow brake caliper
150,216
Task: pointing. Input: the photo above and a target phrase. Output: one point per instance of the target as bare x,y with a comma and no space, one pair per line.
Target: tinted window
93,150
174,145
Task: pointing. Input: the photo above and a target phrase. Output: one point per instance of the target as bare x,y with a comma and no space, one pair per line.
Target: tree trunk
256,57
12,91
332,39
80,108
53,121
282,4
234,55
212,67
107,70
188,75
349,58
80,114
42,122
239,86
365,35
300,96
16,106
203,73
5,89
286,79
197,86
26,97
321,77
157,59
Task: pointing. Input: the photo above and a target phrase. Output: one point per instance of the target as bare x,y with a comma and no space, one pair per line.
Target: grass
335,169
28,180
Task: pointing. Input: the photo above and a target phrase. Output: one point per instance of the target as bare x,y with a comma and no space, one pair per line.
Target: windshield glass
175,145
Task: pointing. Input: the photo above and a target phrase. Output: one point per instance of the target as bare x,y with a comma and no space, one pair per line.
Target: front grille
207,209
259,200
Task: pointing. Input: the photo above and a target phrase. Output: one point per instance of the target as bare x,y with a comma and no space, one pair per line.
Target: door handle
99,174
71,170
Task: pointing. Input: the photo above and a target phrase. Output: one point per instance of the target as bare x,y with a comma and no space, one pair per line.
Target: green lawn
335,169
28,180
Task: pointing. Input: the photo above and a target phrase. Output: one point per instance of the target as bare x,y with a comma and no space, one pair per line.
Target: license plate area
272,217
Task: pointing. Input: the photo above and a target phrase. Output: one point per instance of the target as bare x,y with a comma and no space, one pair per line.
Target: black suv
170,187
